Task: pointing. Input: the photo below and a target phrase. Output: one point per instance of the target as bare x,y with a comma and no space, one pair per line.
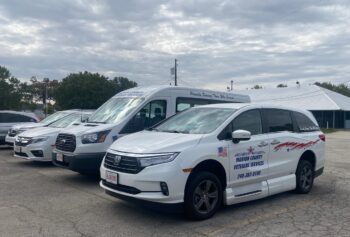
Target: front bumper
10,140
145,185
83,163
34,152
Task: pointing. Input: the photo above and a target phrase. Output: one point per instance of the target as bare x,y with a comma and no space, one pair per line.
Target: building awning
309,97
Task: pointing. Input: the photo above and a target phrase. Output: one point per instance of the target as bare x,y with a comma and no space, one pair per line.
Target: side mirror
240,135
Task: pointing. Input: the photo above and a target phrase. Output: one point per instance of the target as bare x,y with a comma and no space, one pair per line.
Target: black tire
203,196
305,177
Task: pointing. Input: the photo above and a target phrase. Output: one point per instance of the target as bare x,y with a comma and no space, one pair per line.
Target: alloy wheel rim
205,196
306,178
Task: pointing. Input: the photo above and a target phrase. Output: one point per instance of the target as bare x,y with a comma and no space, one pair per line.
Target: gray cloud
249,42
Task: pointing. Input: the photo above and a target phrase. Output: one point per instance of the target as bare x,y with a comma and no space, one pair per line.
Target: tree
281,85
10,96
86,90
256,87
341,88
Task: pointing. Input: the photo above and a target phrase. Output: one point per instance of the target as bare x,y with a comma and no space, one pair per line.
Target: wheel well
211,166
309,156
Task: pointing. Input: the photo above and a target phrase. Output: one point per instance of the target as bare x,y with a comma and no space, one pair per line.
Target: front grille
65,142
121,188
126,164
23,141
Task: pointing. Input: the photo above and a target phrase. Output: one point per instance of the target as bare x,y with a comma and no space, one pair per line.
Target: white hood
78,130
38,132
25,126
153,142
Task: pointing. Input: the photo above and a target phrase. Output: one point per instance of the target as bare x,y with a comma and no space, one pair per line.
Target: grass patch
328,130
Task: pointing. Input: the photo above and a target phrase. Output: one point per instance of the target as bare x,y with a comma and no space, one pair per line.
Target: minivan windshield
68,120
115,109
196,121
53,117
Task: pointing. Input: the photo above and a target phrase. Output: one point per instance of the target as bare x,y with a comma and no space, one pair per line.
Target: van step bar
249,193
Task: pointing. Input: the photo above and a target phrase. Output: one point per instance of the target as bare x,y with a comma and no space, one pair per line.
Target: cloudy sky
247,41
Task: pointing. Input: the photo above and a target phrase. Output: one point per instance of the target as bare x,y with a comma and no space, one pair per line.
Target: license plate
111,177
18,149
59,157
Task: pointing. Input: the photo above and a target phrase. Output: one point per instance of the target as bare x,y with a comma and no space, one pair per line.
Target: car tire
304,177
203,196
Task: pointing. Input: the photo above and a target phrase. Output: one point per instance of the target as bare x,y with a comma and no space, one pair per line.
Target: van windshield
115,109
196,121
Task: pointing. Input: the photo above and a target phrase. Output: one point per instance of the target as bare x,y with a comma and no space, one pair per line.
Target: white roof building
331,109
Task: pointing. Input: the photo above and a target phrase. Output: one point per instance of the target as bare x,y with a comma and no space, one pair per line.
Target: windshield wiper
174,131
95,122
152,129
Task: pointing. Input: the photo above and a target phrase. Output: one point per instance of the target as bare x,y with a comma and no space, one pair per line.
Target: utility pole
231,85
175,72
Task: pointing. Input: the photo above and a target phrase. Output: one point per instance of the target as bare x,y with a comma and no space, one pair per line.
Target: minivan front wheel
304,176
203,196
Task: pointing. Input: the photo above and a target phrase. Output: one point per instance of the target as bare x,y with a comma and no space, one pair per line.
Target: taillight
322,137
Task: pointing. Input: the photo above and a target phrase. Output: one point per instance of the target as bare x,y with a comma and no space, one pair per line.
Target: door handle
262,144
275,142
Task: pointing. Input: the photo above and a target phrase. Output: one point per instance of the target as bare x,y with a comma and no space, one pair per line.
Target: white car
214,154
37,144
82,148
21,127
8,118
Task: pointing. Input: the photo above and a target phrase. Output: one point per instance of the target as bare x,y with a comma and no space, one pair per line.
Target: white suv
214,154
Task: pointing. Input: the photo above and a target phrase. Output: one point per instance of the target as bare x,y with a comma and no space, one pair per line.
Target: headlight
157,159
39,139
97,137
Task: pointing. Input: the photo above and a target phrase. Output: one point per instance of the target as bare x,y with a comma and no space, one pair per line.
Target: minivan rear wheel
203,196
304,176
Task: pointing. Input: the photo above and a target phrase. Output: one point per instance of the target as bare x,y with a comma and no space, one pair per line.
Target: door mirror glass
240,135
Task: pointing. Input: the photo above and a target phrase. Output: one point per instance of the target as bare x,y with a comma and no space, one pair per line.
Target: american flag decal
222,151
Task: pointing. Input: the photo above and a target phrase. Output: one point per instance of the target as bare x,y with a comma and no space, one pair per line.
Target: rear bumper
83,163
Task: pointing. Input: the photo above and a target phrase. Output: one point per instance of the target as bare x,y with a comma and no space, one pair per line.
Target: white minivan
214,154
81,148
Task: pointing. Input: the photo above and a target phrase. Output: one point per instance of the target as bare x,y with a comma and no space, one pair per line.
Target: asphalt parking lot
41,200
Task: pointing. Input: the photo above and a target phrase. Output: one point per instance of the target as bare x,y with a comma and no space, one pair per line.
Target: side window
304,123
278,120
22,118
151,114
2,119
249,120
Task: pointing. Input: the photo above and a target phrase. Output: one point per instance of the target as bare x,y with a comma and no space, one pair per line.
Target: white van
81,148
214,154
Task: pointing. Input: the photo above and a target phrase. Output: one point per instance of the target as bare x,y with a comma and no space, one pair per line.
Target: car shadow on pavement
35,164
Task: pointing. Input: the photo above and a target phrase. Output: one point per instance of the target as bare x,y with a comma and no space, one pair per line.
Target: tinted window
278,120
151,114
304,123
14,118
249,120
185,103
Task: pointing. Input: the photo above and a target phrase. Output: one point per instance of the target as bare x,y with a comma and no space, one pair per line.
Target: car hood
78,130
26,126
43,131
153,142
